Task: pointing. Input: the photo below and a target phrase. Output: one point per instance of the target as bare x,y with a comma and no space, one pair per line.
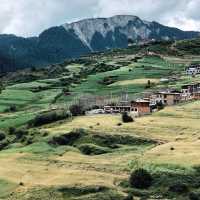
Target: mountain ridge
71,40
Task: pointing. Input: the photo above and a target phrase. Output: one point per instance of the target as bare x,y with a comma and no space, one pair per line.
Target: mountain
102,33
56,44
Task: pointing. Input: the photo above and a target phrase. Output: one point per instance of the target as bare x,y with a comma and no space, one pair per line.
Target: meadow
41,167
92,157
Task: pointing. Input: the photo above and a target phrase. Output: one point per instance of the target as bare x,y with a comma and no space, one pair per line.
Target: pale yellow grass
114,162
167,128
135,81
176,126
34,173
183,153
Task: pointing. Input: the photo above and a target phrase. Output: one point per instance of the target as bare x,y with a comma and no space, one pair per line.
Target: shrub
13,108
66,139
160,105
129,197
148,84
49,117
28,140
108,80
126,118
194,196
91,149
119,124
2,136
179,188
12,130
141,179
21,184
66,91
4,144
20,133
77,110
113,141
197,169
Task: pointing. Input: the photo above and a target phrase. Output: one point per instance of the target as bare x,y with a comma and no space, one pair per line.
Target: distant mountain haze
56,44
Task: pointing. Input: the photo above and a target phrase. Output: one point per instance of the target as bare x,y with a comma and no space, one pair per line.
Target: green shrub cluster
141,179
66,139
49,117
126,118
91,149
77,110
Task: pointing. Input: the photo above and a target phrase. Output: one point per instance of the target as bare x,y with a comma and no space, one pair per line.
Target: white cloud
183,14
30,17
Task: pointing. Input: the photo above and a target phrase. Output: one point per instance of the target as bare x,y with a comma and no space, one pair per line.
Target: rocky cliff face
109,30
102,33
72,40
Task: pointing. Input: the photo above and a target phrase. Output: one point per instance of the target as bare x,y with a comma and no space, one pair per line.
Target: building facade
168,98
141,107
193,70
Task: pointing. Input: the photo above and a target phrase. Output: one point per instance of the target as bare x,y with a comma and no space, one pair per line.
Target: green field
92,157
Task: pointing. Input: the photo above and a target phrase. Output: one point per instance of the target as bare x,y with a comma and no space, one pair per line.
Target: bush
148,84
66,139
11,108
114,141
179,188
12,130
160,105
126,118
76,110
20,133
21,184
91,149
3,144
194,196
66,91
108,80
49,117
129,197
2,136
141,179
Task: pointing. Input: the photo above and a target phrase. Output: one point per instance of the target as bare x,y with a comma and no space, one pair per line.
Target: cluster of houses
152,102
193,69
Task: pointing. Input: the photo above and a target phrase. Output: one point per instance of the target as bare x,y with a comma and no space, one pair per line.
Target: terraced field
42,166
92,157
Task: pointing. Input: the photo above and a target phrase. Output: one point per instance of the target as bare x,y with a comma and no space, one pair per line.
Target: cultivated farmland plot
46,153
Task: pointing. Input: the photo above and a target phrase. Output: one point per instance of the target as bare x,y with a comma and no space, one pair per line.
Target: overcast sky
30,17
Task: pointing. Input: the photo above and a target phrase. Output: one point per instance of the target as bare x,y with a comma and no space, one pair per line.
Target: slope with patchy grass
91,157
51,165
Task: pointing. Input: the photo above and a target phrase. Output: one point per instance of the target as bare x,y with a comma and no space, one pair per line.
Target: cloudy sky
30,17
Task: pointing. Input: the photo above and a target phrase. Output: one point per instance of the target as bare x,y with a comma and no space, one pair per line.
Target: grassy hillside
92,157
189,46
69,173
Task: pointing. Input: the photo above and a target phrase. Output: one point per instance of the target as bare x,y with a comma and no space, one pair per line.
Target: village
152,102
